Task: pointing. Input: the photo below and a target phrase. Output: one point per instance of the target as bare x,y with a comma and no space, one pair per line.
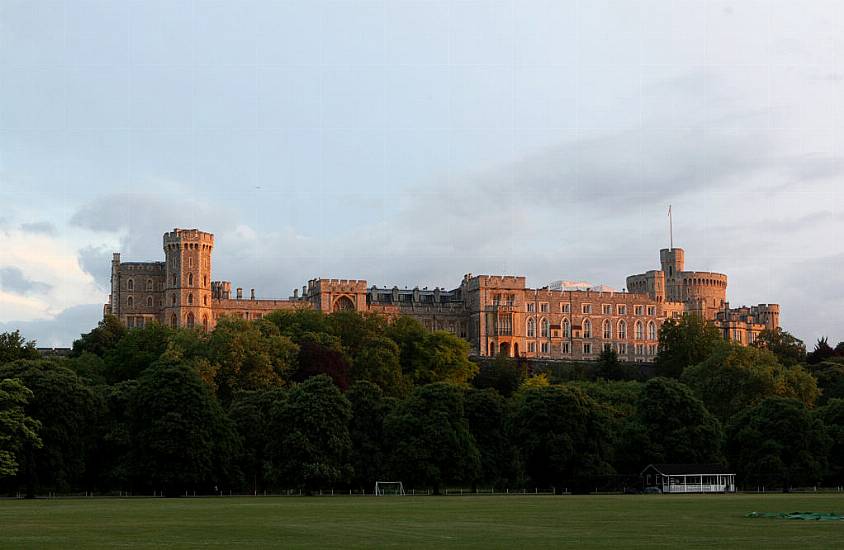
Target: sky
410,142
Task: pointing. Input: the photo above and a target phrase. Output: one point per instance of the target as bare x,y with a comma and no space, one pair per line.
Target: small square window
652,311
606,309
543,307
566,308
531,307
638,310
586,308
622,309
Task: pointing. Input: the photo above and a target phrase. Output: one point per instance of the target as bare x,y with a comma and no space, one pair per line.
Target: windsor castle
496,314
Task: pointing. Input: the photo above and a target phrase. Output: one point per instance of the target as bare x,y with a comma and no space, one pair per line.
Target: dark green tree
101,339
832,415
504,375
322,353
789,350
136,351
356,329
685,342
447,360
368,453
676,426
181,438
610,368
13,346
429,440
310,443
486,413
17,429
295,323
830,379
735,377
378,361
822,352
110,462
67,410
563,436
251,413
779,442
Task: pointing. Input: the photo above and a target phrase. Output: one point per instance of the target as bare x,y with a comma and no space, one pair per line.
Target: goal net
389,488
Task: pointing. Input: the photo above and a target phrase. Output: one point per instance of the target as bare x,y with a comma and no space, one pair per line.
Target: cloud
45,228
61,330
12,279
96,261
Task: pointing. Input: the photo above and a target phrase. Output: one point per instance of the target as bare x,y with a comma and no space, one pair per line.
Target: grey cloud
13,280
60,331
96,261
44,228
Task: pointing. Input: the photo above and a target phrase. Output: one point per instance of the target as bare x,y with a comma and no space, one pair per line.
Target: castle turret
673,261
187,296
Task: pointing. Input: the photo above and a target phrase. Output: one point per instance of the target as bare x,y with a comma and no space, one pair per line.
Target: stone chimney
240,294
251,293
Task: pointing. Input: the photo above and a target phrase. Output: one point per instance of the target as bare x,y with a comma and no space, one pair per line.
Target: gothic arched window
531,328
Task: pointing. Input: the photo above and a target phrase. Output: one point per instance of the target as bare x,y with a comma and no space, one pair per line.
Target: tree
610,368
426,358
822,352
182,439
13,346
789,350
251,413
378,361
67,409
295,323
368,453
777,441
135,351
830,379
110,462
410,336
735,377
486,414
104,337
429,440
832,415
684,343
504,375
562,436
676,425
356,329
247,355
17,429
322,353
310,442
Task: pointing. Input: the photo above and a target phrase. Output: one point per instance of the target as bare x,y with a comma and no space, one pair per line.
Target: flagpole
671,227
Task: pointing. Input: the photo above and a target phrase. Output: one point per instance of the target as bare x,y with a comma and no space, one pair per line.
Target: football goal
389,488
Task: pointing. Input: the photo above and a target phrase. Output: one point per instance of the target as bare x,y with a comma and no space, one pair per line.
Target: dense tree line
303,400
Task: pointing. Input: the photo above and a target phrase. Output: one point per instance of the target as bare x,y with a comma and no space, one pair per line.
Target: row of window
130,284
621,348
130,301
586,309
607,329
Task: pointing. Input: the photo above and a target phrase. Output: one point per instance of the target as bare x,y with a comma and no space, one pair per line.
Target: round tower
673,261
187,286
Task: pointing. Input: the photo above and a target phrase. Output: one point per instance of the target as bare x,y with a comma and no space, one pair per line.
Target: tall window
640,331
173,321
149,285
173,300
205,300
174,279
607,329
190,299
190,320
130,302
531,328
130,285
566,328
546,330
587,328
651,331
149,301
190,279
205,323
622,330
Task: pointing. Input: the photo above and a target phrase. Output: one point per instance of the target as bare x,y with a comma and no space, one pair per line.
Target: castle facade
495,314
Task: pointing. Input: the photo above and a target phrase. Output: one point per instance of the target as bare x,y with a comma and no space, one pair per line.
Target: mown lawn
647,521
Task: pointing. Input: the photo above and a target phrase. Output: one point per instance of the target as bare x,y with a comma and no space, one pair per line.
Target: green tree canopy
101,339
685,342
676,426
13,346
310,442
789,350
562,436
429,439
17,429
182,439
830,379
251,413
368,453
504,375
778,441
378,361
832,415
735,377
136,351
487,415
67,409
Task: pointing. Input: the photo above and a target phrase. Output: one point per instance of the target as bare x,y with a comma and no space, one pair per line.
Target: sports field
711,521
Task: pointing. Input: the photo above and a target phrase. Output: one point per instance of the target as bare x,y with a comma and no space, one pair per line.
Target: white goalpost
389,488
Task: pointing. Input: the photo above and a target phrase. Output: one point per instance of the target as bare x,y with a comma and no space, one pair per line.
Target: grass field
711,521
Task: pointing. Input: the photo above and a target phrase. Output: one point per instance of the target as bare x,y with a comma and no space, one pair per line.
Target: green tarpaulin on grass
815,516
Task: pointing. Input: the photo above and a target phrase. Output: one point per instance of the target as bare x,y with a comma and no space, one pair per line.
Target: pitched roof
688,469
